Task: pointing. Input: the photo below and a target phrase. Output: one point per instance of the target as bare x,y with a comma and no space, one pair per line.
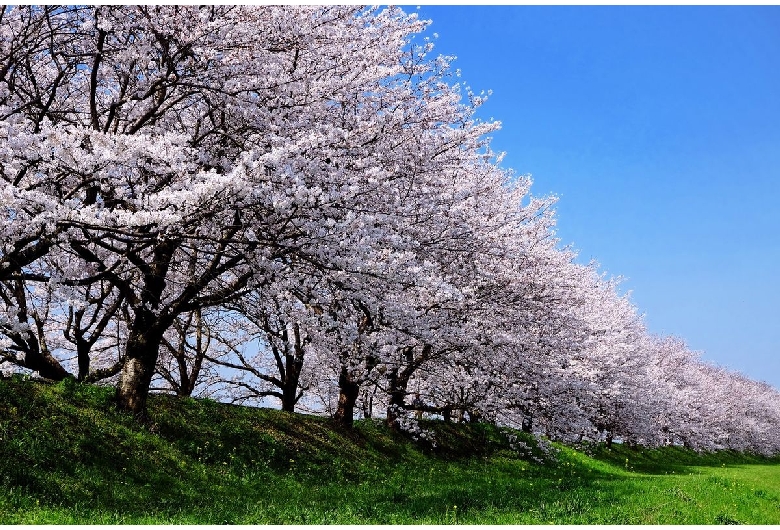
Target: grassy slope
67,457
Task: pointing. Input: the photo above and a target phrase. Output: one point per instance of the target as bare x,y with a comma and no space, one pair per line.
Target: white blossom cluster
296,206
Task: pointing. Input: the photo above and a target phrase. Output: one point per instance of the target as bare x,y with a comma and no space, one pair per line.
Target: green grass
67,457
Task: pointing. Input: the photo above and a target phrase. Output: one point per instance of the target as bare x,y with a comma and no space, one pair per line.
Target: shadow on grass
66,448
664,460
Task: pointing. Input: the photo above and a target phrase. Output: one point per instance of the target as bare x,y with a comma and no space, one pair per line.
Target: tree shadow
665,460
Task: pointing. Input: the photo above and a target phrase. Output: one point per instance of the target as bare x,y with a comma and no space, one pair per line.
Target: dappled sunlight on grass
67,457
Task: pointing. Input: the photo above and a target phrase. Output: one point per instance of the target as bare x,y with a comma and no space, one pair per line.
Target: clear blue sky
659,129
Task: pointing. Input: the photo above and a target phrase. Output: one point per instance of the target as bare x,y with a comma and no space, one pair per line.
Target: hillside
66,456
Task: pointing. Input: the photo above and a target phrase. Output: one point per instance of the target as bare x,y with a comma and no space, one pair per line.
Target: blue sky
659,129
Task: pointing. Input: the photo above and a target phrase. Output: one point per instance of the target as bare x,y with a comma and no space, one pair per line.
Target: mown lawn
66,457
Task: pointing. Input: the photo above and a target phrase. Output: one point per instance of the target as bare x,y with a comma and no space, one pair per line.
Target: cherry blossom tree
190,152
299,204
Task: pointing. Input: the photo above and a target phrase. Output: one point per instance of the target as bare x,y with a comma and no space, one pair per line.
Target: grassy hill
66,456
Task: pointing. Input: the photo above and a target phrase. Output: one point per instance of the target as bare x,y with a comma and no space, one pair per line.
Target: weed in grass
725,519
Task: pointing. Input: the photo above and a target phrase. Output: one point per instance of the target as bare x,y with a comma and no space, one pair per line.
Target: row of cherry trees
298,206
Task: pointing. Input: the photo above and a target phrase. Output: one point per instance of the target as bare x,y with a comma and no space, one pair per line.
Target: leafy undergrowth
67,457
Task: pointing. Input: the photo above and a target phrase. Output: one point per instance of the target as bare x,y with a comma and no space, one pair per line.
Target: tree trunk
82,352
398,385
145,335
348,394
189,380
143,346
368,403
42,362
37,356
290,388
527,425
292,375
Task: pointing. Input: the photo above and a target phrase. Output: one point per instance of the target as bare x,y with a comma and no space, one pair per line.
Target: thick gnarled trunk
133,388
40,360
348,394
142,350
37,356
293,365
290,392
398,382
146,332
397,402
